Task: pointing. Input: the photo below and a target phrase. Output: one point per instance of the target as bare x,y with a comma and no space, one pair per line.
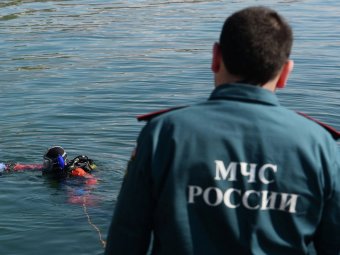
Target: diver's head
55,162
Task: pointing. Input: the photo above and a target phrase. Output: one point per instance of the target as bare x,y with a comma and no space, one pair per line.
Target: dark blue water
76,73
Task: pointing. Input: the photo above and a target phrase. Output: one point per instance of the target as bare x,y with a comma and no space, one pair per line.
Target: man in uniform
239,173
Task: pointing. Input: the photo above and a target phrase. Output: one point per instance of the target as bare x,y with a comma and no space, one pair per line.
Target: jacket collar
244,92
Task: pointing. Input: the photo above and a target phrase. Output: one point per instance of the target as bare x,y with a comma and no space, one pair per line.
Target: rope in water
103,242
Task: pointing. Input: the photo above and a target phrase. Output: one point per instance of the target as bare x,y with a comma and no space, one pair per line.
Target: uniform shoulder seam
149,116
334,133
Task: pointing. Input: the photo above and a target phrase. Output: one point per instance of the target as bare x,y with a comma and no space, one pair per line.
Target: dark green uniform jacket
237,174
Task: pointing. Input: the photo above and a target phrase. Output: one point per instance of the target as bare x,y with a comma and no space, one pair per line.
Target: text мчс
249,199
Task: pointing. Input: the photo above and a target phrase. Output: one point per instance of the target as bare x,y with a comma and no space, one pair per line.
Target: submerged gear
83,162
78,172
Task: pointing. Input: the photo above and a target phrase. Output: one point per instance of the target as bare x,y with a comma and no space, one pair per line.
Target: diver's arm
23,167
19,167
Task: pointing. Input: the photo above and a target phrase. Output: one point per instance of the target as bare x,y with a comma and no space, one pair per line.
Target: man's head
254,48
55,161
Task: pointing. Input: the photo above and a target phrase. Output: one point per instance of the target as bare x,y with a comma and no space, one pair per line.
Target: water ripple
76,73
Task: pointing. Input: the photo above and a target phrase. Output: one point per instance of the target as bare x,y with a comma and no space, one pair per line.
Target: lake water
76,73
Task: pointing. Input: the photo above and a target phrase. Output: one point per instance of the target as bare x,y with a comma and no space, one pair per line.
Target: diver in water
56,165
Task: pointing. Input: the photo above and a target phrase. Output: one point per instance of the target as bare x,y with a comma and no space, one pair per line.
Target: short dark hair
255,44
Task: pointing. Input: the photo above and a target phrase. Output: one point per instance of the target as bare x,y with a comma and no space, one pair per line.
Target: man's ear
286,70
216,58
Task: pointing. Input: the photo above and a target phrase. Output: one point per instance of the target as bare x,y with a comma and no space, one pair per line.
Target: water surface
76,73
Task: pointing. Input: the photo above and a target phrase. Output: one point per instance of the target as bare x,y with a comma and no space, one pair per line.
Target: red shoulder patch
149,116
335,134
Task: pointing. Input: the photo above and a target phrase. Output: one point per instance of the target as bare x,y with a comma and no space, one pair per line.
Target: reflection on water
76,73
